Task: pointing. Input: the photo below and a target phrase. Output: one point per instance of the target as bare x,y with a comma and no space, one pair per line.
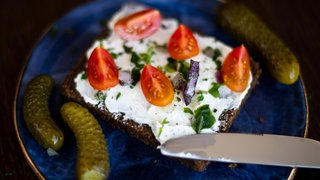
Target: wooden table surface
297,22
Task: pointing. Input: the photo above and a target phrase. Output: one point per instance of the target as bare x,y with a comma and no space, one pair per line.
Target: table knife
264,149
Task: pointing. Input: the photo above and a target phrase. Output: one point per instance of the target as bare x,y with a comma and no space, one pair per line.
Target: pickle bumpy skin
37,115
92,158
247,28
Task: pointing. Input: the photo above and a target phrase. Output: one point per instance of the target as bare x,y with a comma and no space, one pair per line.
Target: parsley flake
214,90
164,121
214,54
203,118
118,95
187,110
84,75
200,96
101,97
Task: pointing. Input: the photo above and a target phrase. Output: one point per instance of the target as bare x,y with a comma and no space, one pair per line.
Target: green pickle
92,157
37,115
247,28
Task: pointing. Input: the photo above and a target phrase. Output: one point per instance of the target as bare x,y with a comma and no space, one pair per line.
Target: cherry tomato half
236,69
182,44
102,71
138,25
156,86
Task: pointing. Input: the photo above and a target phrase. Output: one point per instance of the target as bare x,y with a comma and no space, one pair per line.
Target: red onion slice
190,87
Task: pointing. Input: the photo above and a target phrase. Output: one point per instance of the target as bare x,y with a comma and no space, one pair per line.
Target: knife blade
264,149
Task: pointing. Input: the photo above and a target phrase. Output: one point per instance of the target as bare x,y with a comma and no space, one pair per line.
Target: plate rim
15,104
41,36
27,61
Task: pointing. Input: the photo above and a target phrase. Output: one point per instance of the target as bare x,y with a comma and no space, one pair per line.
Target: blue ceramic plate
282,108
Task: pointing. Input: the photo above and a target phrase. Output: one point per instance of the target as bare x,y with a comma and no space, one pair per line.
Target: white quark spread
130,100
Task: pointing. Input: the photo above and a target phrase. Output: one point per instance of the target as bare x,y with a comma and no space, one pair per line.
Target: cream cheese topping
130,100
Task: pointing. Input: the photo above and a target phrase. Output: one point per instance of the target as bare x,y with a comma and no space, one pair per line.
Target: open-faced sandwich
155,79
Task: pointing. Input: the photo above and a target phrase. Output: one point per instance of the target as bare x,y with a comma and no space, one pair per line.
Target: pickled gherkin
92,156
247,28
37,115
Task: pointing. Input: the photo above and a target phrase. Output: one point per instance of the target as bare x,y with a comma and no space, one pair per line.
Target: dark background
297,22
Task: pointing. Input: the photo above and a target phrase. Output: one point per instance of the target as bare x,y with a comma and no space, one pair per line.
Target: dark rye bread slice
143,132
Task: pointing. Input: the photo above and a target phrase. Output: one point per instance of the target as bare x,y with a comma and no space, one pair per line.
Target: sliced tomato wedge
138,25
182,44
236,69
156,86
102,72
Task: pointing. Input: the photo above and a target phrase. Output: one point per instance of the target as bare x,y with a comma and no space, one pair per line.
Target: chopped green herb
135,76
162,46
135,59
164,121
208,51
127,49
217,53
172,64
184,68
115,55
214,90
118,95
140,60
160,68
84,75
200,96
164,26
205,79
214,54
181,66
218,64
167,68
178,99
187,110
203,118
146,57
100,96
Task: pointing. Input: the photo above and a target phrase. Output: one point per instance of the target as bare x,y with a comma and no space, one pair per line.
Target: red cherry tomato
182,44
138,25
102,71
156,87
236,69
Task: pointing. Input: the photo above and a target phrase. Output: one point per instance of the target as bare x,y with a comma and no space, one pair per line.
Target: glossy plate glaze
272,107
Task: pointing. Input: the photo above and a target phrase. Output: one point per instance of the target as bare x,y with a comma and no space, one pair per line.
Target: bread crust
143,132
